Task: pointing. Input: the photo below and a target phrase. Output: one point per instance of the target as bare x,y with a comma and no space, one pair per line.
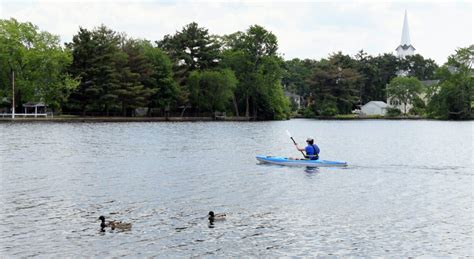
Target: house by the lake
374,108
395,103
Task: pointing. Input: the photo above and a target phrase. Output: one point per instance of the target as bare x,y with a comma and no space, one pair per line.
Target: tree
83,49
369,89
39,64
405,89
165,89
192,48
295,73
334,86
419,67
272,102
376,73
212,90
108,56
452,98
97,60
253,57
135,71
239,62
387,66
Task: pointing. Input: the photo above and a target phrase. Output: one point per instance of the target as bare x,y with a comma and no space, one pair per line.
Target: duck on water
216,216
119,225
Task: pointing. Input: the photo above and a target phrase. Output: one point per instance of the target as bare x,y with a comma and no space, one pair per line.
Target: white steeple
405,31
405,48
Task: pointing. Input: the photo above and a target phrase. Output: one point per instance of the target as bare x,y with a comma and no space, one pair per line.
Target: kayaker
311,150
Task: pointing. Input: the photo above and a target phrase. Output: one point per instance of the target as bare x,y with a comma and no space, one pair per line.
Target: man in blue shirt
312,150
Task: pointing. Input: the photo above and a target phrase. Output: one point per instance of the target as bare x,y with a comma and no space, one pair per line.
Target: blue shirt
312,151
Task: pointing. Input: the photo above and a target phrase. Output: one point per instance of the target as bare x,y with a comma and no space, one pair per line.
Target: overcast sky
305,29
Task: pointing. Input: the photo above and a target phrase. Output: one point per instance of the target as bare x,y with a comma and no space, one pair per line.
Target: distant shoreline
118,119
68,119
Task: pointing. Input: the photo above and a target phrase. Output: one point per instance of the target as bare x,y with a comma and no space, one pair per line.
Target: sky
305,29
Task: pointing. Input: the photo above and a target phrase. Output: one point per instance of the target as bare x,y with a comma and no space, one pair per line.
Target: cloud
304,29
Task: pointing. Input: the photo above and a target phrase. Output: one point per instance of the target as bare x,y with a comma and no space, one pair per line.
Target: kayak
278,160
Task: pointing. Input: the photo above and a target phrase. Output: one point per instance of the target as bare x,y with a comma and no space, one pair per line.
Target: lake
408,189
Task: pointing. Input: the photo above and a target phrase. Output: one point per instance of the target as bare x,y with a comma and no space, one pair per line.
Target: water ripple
165,177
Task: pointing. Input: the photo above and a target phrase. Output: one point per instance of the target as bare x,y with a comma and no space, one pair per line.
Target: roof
429,82
405,47
33,104
293,95
380,104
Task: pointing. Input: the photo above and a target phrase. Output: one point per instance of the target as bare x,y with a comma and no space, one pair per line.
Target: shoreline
68,119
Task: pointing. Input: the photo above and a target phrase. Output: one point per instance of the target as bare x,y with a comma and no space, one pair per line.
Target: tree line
193,72
340,83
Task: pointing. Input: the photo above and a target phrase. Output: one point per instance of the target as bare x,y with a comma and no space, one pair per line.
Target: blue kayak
278,160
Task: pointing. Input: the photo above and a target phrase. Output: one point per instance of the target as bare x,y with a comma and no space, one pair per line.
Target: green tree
166,91
419,67
376,73
272,102
334,86
369,90
192,48
252,55
419,106
38,61
405,89
97,61
83,67
135,71
452,98
212,90
388,66
295,74
107,59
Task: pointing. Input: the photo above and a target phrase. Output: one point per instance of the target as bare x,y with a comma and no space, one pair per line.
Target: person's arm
299,149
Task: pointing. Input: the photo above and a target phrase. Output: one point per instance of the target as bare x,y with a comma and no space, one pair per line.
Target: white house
374,108
294,98
395,103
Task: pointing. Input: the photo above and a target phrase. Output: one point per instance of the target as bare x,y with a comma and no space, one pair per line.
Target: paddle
287,132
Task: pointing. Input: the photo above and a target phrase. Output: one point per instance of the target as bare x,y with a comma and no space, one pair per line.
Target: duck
216,216
114,224
120,225
103,225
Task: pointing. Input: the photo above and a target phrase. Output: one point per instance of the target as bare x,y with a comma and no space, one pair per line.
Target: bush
328,109
419,107
309,113
393,112
416,111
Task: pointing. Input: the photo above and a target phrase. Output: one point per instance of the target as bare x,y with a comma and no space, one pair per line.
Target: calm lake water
408,189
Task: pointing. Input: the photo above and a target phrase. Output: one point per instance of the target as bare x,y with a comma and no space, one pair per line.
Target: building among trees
373,108
295,99
403,101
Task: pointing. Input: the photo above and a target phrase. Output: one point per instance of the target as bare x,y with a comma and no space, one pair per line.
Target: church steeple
405,32
405,48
